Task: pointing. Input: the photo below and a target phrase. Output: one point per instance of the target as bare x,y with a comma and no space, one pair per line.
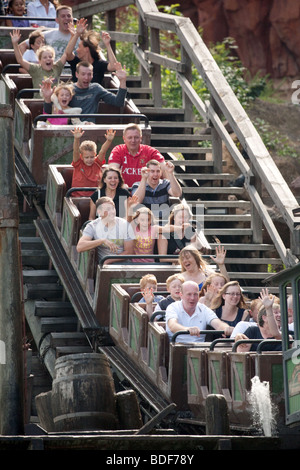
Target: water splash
263,410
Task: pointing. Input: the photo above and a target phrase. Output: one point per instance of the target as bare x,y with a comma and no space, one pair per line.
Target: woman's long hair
218,299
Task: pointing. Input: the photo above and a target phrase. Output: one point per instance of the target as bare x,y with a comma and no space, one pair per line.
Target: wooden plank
58,324
285,254
53,308
139,90
193,95
185,162
118,36
245,246
255,261
68,338
221,204
226,218
42,291
164,61
228,231
248,275
31,276
213,190
204,176
173,137
183,124
161,111
184,149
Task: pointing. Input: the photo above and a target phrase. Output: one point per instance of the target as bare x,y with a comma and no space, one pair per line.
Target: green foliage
273,140
224,54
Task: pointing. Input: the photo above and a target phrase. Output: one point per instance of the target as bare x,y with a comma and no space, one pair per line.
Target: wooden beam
159,59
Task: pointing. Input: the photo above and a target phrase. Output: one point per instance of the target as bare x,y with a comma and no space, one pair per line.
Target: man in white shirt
188,314
108,233
42,9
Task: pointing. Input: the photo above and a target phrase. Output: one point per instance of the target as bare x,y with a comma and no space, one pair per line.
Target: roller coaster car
8,61
41,146
229,373
187,373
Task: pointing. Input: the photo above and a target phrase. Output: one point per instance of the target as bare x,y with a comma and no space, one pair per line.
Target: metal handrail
106,257
43,117
87,188
220,340
156,314
202,332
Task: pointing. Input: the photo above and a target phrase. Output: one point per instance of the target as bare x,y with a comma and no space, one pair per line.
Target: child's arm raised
15,38
110,135
77,133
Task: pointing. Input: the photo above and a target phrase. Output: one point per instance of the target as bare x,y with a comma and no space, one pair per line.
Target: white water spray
263,409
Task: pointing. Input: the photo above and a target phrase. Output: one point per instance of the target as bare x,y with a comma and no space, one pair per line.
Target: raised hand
219,258
15,36
46,89
106,38
110,135
169,167
81,26
77,132
148,295
266,298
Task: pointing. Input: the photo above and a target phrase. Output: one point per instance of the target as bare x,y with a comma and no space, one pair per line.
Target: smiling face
277,314
190,296
18,8
232,295
132,139
111,180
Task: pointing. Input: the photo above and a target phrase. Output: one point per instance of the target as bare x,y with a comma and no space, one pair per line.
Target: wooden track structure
222,112
235,216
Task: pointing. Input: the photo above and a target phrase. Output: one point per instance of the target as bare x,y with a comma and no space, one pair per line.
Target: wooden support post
216,415
11,358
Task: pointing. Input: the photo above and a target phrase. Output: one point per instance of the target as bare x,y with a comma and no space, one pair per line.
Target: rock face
266,31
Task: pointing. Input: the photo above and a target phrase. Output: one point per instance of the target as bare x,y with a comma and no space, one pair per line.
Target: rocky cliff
267,32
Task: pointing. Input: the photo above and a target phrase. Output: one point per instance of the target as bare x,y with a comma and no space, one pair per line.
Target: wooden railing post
156,75
217,148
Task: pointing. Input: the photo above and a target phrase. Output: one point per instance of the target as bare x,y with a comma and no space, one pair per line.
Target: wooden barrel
83,394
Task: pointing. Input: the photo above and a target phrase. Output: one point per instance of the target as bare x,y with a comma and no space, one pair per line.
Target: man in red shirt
132,156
